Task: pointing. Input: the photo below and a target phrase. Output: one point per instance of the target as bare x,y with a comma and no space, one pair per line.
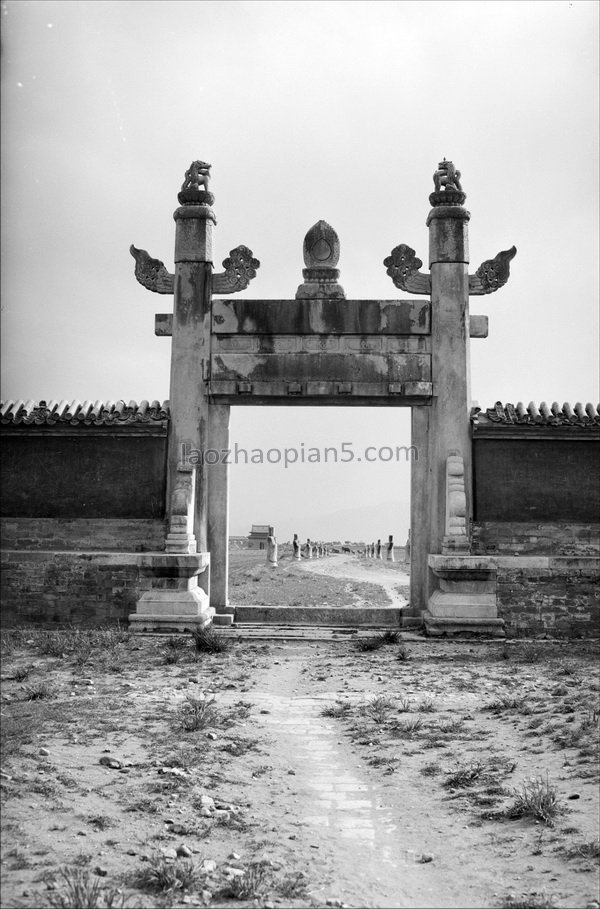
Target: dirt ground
338,580
366,771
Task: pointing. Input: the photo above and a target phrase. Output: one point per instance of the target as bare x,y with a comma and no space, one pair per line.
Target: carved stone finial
403,268
321,250
448,188
197,175
492,274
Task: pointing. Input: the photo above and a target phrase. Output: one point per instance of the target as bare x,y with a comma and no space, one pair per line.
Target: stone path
374,845
372,571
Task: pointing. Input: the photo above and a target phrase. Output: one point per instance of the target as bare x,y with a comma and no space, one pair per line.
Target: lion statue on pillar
446,176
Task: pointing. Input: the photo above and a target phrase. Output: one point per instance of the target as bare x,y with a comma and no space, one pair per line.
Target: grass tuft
165,875
378,708
197,713
463,777
207,640
79,890
407,728
509,702
339,709
253,883
38,690
537,799
590,850
528,901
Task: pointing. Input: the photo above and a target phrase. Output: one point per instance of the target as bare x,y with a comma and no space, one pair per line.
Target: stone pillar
379,555
179,578
297,548
419,515
308,549
190,351
218,506
449,415
390,549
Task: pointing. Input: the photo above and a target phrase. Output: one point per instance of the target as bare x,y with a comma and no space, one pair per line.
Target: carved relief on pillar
456,535
181,512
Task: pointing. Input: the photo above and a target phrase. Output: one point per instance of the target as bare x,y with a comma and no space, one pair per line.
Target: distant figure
390,549
379,556
308,549
271,552
408,546
296,545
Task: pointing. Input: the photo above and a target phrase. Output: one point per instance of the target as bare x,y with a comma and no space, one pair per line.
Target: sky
306,110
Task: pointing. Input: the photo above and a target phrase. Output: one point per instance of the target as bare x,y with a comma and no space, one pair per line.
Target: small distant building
258,536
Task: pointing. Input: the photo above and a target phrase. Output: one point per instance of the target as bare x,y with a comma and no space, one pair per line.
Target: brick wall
57,588
559,597
512,538
83,534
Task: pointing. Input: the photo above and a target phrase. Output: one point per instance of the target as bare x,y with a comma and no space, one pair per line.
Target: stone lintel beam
321,316
319,392
163,322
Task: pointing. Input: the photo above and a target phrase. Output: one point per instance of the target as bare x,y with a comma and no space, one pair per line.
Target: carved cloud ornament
492,274
151,273
240,267
403,268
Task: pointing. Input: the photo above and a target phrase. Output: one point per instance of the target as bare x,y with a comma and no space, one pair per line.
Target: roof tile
579,415
88,413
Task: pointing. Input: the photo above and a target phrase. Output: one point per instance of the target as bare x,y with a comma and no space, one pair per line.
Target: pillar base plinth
438,626
465,601
160,623
174,600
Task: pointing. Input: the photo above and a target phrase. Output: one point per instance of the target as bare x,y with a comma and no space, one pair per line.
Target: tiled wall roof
581,415
88,413
97,413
